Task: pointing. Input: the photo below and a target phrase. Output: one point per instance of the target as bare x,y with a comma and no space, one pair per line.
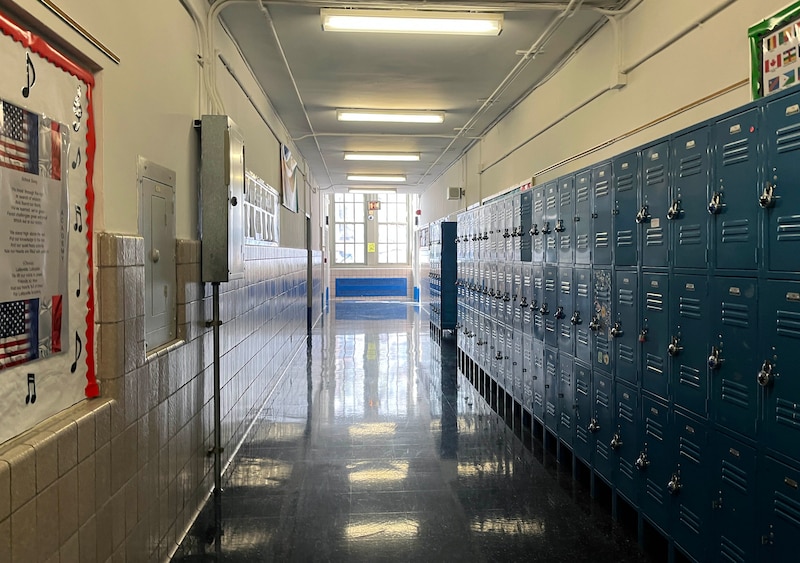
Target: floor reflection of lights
382,529
508,526
378,472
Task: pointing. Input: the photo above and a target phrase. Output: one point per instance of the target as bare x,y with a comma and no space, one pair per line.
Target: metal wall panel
583,217
688,210
625,327
626,190
602,215
565,306
689,345
583,439
654,334
655,202
601,321
625,442
565,220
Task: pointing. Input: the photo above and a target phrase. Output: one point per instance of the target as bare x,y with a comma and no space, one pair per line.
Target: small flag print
19,332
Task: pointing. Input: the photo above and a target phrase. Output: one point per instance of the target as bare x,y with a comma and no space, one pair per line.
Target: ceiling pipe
445,6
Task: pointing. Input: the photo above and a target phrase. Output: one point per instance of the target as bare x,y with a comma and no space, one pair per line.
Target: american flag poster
19,332
781,59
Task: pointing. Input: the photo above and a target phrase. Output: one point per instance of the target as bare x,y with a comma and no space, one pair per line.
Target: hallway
374,448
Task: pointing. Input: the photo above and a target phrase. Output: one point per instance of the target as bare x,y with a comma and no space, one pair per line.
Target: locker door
502,292
516,227
688,342
582,442
654,205
516,365
625,328
655,462
566,398
600,324
527,372
537,223
526,300
509,361
536,303
736,194
626,189
693,501
734,501
779,357
688,207
549,225
601,425
506,240
548,307
496,347
779,197
551,389
538,380
655,333
516,297
583,217
733,358
508,295
526,199
565,220
602,217
779,512
582,314
625,441
565,305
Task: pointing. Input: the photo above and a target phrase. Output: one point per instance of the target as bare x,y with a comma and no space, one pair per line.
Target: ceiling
308,73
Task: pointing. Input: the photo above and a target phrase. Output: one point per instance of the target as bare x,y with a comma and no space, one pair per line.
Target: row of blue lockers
718,195
442,275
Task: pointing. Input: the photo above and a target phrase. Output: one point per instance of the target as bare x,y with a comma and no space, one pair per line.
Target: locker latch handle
594,324
506,235
616,441
560,313
674,210
576,318
560,226
498,356
524,302
506,297
765,374
616,330
643,335
594,426
642,462
715,205
546,228
674,347
674,486
534,230
768,196
714,360
544,309
643,215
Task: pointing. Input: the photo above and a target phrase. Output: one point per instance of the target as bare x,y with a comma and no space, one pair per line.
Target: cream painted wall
576,111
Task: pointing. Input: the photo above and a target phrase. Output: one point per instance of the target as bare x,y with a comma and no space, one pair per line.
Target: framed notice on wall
46,200
775,52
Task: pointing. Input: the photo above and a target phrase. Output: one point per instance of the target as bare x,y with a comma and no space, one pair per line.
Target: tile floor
374,448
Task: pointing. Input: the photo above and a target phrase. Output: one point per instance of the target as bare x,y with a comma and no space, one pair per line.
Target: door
582,314
688,346
565,220
601,425
583,439
626,189
566,398
538,380
653,336
689,200
537,302
548,307
526,200
625,328
655,462
565,305
549,225
654,205
551,389
779,511
602,215
601,322
537,223
583,217
625,441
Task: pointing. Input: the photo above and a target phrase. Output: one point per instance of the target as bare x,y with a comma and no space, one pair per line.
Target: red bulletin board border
49,53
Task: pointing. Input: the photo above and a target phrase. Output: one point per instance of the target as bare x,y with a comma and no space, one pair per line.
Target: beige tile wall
121,477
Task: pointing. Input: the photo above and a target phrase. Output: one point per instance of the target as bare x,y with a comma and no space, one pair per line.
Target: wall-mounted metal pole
217,425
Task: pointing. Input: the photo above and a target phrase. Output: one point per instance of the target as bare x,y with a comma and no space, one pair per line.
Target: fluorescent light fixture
376,178
383,156
390,116
370,191
411,21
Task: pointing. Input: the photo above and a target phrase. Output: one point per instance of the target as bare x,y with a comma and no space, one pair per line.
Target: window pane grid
350,231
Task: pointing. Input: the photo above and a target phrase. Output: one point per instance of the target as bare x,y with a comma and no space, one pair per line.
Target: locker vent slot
602,344
582,434
787,413
582,241
788,324
602,449
626,297
551,202
583,290
689,376
787,508
538,206
601,399
654,429
537,400
626,353
736,152
551,243
583,337
690,235
736,231
689,450
582,387
624,183
788,138
691,165
654,175
735,314
566,287
626,412
566,197
689,519
537,322
729,551
537,282
551,371
789,228
566,242
655,237
550,284
566,332
689,308
601,189
734,477
655,301
735,393
582,194
625,238
626,468
655,491
601,239
538,245
566,421
550,325
655,363
551,409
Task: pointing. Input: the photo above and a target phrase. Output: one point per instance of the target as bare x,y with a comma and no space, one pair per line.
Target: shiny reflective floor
374,448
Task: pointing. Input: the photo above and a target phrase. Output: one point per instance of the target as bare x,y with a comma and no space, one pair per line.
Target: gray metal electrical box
221,199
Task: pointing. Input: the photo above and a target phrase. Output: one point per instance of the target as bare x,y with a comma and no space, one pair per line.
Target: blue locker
508,294
507,228
527,372
517,366
733,357
566,398
626,190
516,227
690,165
625,326
516,297
688,342
654,334
565,305
526,201
602,217
526,303
601,322
537,222
654,205
549,223
582,314
551,389
779,357
537,301
779,512
538,380
691,513
734,501
601,427
583,217
547,309
565,220
779,196
735,197
625,442
583,438
509,361
655,463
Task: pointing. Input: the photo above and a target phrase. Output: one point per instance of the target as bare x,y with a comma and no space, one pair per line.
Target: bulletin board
775,52
47,147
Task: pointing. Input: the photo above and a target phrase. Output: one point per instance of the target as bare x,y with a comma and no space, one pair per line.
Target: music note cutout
31,398
29,70
78,291
78,352
77,161
78,219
